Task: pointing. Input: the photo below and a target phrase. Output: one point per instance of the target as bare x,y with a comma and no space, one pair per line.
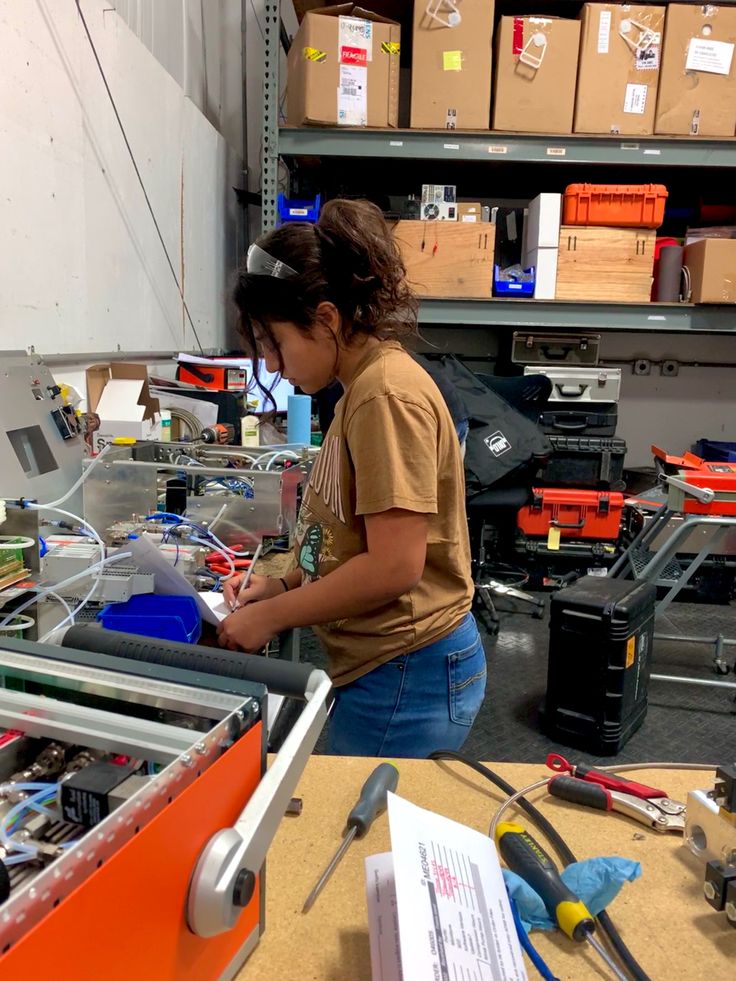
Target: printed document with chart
444,914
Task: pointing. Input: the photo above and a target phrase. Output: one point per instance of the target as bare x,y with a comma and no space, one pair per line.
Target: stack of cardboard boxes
621,69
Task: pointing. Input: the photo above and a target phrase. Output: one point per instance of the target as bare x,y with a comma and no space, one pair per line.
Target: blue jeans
414,704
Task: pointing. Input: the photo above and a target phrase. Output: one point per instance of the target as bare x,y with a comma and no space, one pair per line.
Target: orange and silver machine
136,808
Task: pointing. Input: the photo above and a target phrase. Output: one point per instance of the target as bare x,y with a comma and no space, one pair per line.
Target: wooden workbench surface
663,916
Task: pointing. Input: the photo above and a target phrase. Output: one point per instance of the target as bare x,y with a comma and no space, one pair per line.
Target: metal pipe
680,680
686,638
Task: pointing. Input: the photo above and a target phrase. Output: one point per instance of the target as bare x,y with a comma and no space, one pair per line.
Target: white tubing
39,594
6,542
25,623
85,524
53,505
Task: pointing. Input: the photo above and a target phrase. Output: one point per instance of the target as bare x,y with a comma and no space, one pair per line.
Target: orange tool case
617,205
219,375
576,513
693,471
170,883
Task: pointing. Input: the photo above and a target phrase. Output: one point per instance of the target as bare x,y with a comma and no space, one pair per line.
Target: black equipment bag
500,439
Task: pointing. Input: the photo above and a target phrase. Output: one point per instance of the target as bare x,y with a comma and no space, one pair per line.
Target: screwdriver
373,801
530,862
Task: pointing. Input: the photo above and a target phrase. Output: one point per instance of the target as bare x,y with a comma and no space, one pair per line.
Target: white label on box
469,218
352,96
451,119
709,56
635,99
647,59
604,32
355,35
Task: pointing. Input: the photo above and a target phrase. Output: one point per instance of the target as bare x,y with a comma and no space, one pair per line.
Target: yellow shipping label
313,54
452,61
630,651
391,47
553,539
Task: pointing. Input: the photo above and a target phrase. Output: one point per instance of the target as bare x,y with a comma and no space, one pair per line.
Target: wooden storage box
605,264
448,259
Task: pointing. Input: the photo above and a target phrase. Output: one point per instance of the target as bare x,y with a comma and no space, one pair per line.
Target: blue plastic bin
715,451
166,617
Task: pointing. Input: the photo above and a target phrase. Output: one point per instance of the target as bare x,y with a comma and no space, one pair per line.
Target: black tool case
586,461
579,419
600,650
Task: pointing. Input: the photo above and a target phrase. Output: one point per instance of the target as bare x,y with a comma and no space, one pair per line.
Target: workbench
663,916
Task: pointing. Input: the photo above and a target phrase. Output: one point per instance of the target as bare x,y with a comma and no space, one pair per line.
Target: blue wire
526,943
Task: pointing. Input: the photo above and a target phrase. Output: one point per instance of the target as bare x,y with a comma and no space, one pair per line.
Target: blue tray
715,451
166,617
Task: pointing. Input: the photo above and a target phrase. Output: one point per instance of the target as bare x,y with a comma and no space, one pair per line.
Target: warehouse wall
198,42
672,412
83,268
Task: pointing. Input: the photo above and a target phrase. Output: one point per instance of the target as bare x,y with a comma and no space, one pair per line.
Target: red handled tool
608,792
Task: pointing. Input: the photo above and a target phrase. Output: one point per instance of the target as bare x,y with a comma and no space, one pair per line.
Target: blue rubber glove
597,881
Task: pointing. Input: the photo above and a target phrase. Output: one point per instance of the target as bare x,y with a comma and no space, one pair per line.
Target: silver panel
20,375
37,715
125,486
157,694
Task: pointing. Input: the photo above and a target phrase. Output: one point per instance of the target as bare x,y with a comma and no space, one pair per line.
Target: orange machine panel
128,920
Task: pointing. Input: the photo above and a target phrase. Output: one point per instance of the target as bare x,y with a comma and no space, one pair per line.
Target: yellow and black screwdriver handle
530,862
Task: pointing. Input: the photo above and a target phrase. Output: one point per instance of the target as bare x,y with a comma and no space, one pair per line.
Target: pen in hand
246,577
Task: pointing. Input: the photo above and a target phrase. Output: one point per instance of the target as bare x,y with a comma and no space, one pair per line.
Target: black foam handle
579,792
280,677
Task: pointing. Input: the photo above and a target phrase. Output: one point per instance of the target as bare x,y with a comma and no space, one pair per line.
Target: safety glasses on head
260,263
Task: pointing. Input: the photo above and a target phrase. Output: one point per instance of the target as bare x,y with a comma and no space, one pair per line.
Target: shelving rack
511,148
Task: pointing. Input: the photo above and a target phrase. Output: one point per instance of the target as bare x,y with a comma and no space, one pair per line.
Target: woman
383,563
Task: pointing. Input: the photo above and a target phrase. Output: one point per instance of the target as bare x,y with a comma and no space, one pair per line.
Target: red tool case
577,513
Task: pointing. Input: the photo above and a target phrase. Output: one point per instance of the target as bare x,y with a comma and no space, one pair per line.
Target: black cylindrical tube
669,273
280,677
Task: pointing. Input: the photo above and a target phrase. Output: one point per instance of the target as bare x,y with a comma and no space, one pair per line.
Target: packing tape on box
313,54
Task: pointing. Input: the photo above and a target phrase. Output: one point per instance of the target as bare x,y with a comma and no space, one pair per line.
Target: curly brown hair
348,258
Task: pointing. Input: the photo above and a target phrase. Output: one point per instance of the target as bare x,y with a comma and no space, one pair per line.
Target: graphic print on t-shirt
325,479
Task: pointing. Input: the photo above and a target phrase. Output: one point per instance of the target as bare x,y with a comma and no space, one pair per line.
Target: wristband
285,584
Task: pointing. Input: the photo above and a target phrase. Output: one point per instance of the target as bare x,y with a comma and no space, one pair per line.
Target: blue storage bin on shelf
715,451
166,617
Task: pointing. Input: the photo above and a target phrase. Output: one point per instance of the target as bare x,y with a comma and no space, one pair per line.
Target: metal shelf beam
551,315
506,148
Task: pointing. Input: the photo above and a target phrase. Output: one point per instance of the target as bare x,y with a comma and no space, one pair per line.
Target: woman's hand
259,588
249,628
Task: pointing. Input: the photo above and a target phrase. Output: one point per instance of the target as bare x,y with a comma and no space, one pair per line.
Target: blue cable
526,943
159,515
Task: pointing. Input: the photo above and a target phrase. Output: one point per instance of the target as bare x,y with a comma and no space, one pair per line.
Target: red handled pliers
217,564
609,792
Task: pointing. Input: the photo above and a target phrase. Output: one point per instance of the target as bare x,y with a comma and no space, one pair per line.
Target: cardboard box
118,392
468,212
620,59
344,69
536,69
712,266
451,65
448,259
697,87
605,264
